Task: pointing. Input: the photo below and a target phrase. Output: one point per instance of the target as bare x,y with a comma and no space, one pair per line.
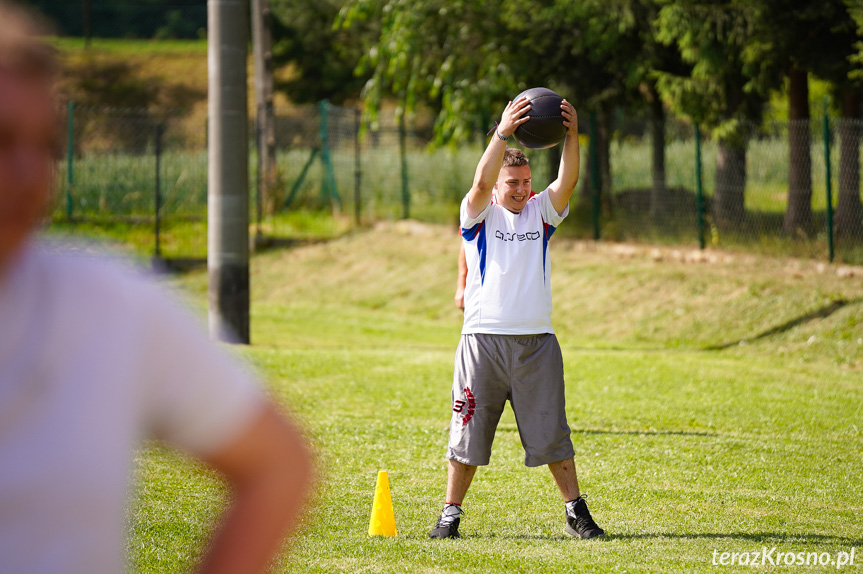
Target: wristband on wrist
497,133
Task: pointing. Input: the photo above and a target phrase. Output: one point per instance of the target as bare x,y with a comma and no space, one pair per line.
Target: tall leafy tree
456,56
844,72
468,58
654,56
796,38
321,56
126,18
616,52
723,90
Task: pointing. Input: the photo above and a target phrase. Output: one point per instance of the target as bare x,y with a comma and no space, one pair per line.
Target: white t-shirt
508,289
92,359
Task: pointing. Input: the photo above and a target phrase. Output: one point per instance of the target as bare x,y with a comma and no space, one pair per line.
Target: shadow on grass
264,243
821,313
467,537
645,432
654,432
758,537
755,537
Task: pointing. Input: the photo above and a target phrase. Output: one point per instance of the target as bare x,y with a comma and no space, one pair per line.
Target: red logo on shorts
469,402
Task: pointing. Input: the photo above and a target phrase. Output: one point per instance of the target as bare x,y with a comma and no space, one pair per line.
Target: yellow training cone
383,520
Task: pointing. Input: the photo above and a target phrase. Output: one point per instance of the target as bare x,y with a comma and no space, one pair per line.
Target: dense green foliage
721,65
714,61
126,18
321,57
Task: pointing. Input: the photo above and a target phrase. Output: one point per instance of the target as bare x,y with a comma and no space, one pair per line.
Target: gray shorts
528,371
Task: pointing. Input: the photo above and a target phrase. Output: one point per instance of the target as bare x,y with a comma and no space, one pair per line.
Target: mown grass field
714,406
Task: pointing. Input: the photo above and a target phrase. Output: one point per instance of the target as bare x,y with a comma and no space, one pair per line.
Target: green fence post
699,188
70,157
299,182
329,191
357,167
157,198
406,194
594,174
259,180
827,183
325,192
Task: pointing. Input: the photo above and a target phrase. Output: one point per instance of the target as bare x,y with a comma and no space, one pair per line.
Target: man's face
28,149
513,187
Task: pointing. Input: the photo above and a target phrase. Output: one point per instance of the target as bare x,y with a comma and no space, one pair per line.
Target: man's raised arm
489,165
567,176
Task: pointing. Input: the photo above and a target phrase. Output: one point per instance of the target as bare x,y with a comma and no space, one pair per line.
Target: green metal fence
786,188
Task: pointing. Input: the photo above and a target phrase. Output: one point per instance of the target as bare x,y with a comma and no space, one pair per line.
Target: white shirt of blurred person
93,359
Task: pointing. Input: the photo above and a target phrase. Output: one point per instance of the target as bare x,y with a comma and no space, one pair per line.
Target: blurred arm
269,468
461,282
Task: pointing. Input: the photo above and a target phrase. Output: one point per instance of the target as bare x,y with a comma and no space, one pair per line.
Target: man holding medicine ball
508,350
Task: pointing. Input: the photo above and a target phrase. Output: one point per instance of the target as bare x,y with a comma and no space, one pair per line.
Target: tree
655,56
848,220
843,72
617,45
265,129
454,56
322,57
126,18
798,213
467,58
589,50
796,38
723,90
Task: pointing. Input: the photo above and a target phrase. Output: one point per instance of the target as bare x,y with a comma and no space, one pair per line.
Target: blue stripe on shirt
477,232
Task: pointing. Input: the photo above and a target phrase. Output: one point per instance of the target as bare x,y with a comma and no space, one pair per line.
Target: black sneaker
579,522
447,524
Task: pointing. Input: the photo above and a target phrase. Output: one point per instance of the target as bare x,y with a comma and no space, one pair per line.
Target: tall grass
122,186
128,46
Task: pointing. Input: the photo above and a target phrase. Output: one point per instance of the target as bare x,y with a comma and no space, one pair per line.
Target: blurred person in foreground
93,359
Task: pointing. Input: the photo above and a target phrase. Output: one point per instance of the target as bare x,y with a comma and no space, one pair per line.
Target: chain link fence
141,179
135,178
330,161
771,188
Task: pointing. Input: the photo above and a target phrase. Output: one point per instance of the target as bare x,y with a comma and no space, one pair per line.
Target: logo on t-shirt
529,236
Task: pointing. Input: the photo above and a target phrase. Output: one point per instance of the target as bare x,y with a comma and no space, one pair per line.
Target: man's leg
579,522
479,394
459,478
566,478
539,403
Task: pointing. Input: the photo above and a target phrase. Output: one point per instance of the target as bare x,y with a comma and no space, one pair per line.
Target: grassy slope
682,450
177,66
172,62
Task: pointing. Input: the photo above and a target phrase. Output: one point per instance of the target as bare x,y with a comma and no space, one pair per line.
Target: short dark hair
513,157
22,51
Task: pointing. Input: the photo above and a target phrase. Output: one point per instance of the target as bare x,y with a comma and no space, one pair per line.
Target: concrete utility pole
228,175
262,42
